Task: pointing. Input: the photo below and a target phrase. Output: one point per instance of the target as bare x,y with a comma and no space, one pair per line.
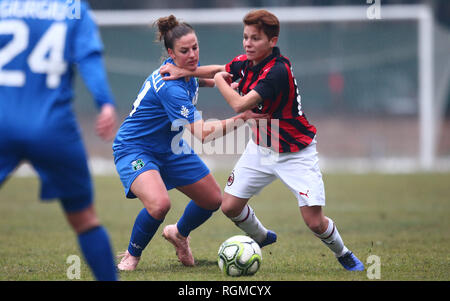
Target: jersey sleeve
86,38
236,66
93,72
178,105
87,53
273,82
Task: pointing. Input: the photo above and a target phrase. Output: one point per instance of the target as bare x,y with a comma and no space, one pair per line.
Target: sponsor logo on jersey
184,111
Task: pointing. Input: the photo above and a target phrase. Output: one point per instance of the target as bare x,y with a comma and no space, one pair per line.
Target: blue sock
98,253
144,228
193,217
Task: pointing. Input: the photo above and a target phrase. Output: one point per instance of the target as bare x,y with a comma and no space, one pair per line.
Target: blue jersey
159,113
40,41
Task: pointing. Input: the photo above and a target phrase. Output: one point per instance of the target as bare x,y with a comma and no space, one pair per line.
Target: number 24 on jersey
47,57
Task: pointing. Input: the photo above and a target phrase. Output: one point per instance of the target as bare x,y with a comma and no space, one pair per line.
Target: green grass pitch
402,219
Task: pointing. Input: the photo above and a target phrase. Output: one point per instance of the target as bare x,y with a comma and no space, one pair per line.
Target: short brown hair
265,21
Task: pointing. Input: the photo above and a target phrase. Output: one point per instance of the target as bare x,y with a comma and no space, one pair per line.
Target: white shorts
259,166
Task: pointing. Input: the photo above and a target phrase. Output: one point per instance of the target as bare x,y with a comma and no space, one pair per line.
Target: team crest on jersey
260,106
230,179
138,164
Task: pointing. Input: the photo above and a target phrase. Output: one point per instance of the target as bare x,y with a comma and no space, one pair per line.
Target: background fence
361,80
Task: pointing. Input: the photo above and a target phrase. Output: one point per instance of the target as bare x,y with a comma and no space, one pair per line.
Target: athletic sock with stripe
250,224
332,239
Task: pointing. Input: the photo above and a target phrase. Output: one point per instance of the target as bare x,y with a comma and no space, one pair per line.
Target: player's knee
214,198
161,208
315,225
217,200
158,207
229,209
213,203
83,220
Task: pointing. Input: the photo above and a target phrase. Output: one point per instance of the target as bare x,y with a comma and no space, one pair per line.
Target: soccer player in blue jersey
40,42
285,149
151,158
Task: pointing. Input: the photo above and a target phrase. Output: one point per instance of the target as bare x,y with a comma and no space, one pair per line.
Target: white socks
332,239
248,222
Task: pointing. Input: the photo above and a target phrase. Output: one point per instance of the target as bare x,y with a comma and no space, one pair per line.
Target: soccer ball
239,256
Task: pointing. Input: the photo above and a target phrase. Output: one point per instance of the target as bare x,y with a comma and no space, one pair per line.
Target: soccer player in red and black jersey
275,90
285,148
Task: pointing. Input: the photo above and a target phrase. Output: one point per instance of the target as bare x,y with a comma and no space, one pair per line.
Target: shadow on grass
175,267
205,262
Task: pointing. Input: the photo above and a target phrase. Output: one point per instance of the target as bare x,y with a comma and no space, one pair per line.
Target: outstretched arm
202,72
210,130
206,82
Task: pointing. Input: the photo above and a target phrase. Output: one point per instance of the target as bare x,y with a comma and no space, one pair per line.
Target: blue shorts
175,169
61,166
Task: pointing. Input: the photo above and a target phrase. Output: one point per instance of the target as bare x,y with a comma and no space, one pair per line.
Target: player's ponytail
170,30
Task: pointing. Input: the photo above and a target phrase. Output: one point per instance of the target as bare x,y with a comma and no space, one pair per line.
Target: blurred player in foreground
152,158
286,149
40,41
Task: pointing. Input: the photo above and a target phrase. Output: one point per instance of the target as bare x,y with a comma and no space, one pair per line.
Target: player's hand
250,115
106,123
224,75
173,71
234,85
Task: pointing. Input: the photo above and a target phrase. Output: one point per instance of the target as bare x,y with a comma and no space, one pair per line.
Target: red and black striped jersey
273,80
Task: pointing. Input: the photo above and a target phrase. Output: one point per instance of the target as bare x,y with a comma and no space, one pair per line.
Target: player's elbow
202,136
242,105
239,108
207,137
